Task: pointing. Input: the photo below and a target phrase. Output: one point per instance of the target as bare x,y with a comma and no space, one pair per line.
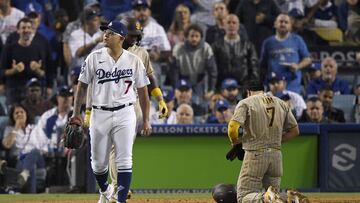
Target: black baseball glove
74,133
236,151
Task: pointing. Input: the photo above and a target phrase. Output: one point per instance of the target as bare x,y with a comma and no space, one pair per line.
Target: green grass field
180,197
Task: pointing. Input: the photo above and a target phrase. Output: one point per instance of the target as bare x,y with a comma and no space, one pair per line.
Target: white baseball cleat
106,196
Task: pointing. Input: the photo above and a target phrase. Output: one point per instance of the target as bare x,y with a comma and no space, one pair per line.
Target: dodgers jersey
112,81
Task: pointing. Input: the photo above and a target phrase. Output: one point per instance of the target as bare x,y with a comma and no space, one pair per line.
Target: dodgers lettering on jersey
113,82
115,75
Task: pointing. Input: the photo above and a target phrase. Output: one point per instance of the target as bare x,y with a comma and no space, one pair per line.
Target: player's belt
112,108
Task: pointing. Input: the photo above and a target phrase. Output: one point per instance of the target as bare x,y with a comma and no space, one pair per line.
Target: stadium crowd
202,52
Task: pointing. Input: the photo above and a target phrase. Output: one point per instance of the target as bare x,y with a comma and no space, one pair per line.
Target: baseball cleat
114,198
272,196
106,196
294,196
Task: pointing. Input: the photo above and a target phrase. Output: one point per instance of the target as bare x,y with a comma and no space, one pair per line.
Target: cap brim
105,27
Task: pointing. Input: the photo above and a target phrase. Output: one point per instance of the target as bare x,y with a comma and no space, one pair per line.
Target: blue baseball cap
65,91
222,105
315,66
33,82
296,13
276,77
34,7
183,84
137,3
75,71
229,82
168,95
115,26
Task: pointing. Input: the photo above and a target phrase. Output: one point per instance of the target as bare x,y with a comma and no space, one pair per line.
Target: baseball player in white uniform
112,72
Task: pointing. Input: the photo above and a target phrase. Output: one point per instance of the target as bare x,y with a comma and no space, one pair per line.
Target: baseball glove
74,134
236,151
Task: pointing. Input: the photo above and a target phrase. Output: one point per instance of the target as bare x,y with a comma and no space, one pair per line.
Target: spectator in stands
343,13
194,59
87,38
285,53
52,123
353,31
34,102
258,16
184,95
169,98
328,79
236,57
26,147
312,72
74,76
154,37
299,22
277,86
22,61
71,27
357,105
184,114
331,113
230,91
111,8
180,23
9,17
223,112
323,14
217,31
202,13
314,111
211,118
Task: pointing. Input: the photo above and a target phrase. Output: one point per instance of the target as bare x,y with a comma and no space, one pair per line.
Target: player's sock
124,180
102,180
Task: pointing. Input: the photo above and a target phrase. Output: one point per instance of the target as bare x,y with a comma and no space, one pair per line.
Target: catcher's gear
236,151
224,193
74,134
163,110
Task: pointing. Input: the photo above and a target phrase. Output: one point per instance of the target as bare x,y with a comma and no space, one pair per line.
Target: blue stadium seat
346,102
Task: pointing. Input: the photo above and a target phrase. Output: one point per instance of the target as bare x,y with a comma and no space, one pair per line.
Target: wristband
156,92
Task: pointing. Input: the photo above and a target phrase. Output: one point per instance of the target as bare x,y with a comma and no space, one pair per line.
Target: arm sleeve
141,78
233,130
303,50
240,113
290,121
87,71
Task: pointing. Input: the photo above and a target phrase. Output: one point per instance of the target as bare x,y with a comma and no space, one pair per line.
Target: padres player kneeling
112,72
267,122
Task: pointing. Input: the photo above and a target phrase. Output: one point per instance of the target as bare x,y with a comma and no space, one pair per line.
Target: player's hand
86,123
146,131
163,110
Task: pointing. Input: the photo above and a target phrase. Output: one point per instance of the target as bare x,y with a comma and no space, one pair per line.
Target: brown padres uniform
144,56
264,119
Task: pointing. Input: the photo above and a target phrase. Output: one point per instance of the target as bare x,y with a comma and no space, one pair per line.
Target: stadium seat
346,102
330,34
3,103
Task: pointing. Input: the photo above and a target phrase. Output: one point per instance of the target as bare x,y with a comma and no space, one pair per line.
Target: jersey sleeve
240,113
87,71
147,64
290,121
140,77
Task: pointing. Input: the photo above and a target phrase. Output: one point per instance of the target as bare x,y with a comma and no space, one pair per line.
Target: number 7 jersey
112,82
264,119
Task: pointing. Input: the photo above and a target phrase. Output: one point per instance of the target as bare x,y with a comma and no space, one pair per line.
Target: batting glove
163,110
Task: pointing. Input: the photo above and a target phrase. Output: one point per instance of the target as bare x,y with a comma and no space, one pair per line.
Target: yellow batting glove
87,118
163,110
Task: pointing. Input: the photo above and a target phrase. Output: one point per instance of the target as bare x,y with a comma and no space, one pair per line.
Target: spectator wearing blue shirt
324,14
328,79
285,53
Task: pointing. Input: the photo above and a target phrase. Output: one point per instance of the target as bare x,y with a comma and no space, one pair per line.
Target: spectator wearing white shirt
154,37
277,85
85,39
9,17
